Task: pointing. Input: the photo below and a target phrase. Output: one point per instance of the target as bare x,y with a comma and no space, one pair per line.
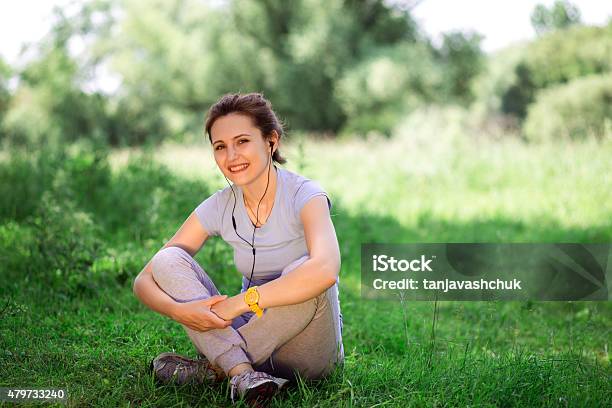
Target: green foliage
5,95
580,109
562,56
557,58
313,44
163,55
386,23
80,173
149,196
25,178
50,105
135,122
377,93
65,247
520,94
295,52
561,14
463,60
53,104
62,239
310,57
490,86
70,204
392,81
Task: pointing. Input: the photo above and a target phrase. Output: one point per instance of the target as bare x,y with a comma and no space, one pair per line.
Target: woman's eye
219,147
241,141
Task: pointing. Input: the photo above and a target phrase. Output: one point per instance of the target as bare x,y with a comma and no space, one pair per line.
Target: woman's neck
254,191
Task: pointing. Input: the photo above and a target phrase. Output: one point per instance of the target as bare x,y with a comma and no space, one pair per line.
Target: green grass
69,319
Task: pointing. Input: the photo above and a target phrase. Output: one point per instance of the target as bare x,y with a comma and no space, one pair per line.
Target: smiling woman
286,321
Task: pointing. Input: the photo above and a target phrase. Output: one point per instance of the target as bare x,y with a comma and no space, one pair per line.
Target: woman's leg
294,332
303,338
180,276
315,351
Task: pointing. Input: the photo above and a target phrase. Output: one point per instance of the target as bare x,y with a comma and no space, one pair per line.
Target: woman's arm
308,280
196,315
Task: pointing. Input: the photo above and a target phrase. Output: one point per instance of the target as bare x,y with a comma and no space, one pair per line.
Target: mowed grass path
528,354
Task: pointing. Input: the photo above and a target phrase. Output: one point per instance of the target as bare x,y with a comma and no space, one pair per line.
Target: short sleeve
307,190
208,214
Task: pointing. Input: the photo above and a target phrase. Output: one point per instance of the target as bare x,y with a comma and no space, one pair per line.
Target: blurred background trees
561,14
336,66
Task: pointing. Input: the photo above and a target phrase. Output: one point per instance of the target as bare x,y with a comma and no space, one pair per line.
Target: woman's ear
274,140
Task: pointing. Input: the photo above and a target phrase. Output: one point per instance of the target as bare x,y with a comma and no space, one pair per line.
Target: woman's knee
166,262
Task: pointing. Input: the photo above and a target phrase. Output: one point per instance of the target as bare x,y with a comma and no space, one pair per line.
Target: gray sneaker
255,387
172,368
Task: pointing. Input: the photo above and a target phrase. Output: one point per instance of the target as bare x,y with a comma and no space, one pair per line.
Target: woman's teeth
235,169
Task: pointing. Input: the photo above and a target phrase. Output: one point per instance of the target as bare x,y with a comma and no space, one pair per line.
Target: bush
463,60
148,195
66,246
50,102
62,208
556,58
577,110
5,94
50,192
24,178
377,93
80,173
492,84
568,54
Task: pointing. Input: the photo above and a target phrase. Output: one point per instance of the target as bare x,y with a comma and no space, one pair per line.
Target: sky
502,22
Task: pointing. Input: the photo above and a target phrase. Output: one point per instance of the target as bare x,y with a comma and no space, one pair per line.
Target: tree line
328,66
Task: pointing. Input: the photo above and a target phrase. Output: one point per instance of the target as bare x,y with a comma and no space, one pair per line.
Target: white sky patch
22,22
500,22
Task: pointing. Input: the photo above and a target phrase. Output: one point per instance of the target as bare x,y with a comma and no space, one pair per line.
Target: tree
560,15
5,95
327,65
309,46
463,60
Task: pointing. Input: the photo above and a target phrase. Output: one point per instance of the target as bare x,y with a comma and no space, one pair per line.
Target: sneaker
255,387
172,368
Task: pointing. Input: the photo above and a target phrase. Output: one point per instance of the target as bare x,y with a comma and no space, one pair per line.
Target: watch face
251,297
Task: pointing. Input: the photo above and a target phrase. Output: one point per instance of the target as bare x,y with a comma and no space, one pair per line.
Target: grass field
75,229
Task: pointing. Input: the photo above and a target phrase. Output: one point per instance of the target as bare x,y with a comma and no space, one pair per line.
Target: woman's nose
231,153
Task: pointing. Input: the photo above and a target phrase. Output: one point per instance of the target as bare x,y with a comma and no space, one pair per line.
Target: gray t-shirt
278,242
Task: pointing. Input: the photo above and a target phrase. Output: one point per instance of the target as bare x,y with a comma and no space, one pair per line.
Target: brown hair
254,105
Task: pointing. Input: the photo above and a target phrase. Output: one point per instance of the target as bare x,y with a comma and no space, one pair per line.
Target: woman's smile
238,168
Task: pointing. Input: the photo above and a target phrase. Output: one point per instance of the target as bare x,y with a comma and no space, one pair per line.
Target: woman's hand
230,308
197,314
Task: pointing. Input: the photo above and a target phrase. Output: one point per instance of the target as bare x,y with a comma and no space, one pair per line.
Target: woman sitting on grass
287,319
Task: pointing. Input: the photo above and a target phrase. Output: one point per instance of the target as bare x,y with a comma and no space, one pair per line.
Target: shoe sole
261,395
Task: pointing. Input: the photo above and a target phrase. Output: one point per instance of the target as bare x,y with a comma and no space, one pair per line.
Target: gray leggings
304,338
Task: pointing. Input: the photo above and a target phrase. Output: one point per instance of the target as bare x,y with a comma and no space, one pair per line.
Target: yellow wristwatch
251,297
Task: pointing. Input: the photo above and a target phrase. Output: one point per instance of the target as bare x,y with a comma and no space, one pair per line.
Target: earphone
252,243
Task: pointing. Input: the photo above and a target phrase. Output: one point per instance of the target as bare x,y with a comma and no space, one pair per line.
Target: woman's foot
255,388
172,368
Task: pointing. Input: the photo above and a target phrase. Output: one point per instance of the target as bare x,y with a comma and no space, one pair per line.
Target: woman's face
239,148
